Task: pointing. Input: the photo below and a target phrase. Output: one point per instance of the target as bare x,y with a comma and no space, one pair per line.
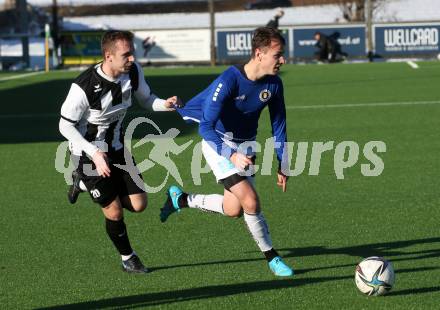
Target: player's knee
235,213
140,204
136,204
113,210
140,207
250,204
114,215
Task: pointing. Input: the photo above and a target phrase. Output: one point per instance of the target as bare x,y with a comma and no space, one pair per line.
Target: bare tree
354,10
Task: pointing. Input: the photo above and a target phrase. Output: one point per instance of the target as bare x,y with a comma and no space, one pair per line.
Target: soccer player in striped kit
91,119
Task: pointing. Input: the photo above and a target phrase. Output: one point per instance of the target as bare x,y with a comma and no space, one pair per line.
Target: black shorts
119,184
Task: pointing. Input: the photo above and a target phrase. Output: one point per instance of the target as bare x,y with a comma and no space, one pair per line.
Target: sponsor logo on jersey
265,95
214,98
242,97
97,88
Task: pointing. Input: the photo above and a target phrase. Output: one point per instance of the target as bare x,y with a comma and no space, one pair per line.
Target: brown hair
263,37
111,37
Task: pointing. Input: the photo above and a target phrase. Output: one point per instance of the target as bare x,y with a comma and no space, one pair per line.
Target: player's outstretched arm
148,100
173,102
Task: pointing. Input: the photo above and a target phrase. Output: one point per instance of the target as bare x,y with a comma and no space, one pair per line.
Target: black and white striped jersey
92,114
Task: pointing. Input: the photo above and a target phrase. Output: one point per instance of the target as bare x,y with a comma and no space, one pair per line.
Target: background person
329,49
274,22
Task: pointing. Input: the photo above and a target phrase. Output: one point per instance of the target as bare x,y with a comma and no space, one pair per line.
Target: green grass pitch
54,255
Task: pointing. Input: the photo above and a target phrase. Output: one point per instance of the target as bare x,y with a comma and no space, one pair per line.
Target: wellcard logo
411,37
239,43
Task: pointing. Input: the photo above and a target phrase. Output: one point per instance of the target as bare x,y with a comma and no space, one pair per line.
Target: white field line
298,107
19,76
431,65
361,105
412,64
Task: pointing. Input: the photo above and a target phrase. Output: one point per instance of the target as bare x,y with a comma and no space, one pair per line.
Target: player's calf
117,232
259,230
177,200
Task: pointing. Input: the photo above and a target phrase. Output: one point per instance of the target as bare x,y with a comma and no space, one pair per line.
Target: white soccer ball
438,56
374,276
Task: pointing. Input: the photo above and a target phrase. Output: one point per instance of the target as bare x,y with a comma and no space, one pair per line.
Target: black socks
183,200
271,254
117,232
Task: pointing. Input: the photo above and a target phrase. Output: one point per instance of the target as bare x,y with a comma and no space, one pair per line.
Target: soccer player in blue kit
228,112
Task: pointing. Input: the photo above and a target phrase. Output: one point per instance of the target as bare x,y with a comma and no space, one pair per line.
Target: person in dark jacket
274,22
329,48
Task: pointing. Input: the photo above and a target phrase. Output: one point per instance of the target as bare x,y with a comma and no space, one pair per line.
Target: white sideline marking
20,76
298,107
354,105
412,64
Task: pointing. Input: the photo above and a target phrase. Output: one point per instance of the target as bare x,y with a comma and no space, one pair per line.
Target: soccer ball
374,276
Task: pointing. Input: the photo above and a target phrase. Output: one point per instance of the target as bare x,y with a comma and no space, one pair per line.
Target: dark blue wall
351,40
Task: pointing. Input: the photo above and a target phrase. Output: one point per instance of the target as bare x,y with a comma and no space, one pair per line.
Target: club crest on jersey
265,95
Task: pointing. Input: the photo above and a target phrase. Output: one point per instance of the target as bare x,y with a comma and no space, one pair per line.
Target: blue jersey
231,106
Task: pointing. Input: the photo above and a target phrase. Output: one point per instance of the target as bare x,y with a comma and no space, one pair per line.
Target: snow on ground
96,2
408,10
391,11
303,15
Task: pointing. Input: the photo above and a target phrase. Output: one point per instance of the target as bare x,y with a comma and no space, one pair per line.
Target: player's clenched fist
173,102
101,163
240,161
